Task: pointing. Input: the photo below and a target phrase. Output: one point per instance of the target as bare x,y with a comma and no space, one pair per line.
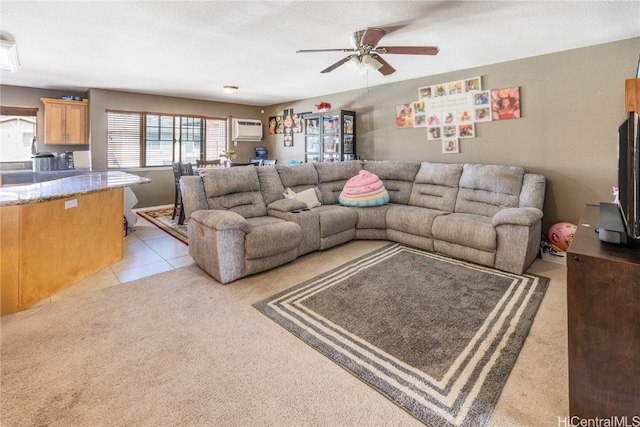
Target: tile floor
147,251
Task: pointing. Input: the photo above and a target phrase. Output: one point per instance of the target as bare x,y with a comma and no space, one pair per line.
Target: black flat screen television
629,174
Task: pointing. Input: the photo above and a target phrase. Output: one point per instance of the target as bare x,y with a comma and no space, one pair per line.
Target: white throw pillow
307,196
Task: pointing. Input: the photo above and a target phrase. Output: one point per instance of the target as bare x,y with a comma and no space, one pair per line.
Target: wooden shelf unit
603,305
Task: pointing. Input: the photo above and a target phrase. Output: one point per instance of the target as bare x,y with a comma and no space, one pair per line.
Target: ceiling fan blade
386,69
372,36
323,50
337,64
409,50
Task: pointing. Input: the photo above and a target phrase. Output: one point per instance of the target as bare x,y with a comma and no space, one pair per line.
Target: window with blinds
144,139
124,140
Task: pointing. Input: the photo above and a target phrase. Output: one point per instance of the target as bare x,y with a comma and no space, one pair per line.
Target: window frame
31,112
177,152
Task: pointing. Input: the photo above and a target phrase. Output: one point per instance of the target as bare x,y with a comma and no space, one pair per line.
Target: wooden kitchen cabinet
603,305
65,122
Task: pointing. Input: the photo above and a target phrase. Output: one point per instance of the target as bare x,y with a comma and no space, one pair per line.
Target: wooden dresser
603,297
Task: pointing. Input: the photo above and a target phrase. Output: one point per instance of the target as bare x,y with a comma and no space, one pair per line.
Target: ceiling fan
366,52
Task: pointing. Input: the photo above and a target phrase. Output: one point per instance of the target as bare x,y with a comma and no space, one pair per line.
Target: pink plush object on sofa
364,189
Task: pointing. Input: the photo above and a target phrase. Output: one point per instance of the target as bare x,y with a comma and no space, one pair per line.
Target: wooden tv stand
603,304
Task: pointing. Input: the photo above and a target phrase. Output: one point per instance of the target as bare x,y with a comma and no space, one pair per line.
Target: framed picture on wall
404,115
434,133
450,146
505,103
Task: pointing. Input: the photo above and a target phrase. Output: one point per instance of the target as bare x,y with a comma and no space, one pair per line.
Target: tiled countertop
84,183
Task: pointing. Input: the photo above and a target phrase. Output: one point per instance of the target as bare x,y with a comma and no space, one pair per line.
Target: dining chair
179,169
205,163
267,162
177,172
256,162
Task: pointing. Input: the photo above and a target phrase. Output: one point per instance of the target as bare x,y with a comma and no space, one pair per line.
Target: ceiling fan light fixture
353,64
229,89
369,63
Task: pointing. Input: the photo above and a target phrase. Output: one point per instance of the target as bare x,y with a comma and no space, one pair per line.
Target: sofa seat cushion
335,219
270,236
412,219
474,231
372,217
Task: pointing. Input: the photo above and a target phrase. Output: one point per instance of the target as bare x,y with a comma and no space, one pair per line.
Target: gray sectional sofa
240,223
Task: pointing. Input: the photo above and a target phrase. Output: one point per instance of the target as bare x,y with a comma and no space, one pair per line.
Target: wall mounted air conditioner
246,130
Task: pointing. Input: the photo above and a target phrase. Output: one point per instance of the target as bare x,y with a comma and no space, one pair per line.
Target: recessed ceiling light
230,89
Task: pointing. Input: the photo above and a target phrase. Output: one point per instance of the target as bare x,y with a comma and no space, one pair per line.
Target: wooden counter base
48,246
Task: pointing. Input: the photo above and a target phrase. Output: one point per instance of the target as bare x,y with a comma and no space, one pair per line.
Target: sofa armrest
221,220
517,216
287,205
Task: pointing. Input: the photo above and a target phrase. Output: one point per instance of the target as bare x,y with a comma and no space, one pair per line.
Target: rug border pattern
164,226
452,400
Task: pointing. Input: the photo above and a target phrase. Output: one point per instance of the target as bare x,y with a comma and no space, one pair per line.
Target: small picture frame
450,146
482,114
434,133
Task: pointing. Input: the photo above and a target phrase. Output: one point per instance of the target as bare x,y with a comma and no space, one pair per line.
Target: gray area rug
437,336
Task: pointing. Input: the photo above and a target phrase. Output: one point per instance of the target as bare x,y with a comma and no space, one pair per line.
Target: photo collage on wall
450,111
287,124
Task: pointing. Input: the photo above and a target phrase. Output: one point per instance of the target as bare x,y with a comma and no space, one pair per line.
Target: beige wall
572,105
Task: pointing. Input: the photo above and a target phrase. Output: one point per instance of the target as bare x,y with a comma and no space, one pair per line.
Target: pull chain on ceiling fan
365,52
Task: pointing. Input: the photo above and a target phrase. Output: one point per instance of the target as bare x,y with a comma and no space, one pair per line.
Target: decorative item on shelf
228,155
323,107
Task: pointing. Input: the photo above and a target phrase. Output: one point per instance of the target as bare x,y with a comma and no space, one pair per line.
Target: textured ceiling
191,49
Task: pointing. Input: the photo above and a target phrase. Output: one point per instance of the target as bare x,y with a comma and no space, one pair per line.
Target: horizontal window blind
124,136
216,138
136,139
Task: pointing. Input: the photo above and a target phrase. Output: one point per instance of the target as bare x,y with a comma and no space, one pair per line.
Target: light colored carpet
180,349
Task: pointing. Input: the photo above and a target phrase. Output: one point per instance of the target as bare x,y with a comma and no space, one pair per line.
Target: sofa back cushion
397,177
298,177
436,186
234,189
270,184
487,189
333,176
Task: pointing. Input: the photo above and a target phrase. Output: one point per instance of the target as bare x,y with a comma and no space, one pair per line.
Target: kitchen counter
64,186
58,232
28,176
